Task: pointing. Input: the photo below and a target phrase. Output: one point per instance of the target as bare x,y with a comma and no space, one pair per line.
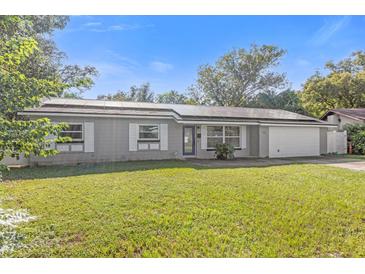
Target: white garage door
293,141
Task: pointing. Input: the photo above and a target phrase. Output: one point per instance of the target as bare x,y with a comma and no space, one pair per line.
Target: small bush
224,151
356,135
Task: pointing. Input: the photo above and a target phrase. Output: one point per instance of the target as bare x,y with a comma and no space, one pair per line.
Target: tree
141,94
356,134
342,87
47,62
135,94
287,100
171,97
238,76
28,74
118,96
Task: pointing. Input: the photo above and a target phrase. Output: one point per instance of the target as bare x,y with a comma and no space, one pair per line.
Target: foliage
224,151
29,137
31,69
174,209
287,100
342,87
239,75
356,134
171,97
47,62
135,94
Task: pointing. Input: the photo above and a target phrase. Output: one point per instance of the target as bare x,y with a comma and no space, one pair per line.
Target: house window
232,136
214,136
148,132
74,131
223,134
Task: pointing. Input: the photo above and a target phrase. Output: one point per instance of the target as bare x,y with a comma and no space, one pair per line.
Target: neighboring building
105,131
345,116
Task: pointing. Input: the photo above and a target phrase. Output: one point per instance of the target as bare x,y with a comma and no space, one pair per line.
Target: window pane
233,141
73,135
148,135
74,128
212,142
232,131
214,131
148,132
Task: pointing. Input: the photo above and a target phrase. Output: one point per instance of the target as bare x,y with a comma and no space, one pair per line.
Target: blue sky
167,50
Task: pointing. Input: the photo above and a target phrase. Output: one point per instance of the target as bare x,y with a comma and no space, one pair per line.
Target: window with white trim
214,136
148,132
73,131
223,135
232,136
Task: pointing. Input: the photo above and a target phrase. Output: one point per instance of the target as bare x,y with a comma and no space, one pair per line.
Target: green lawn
173,209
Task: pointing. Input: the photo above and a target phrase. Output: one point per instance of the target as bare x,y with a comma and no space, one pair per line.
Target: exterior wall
323,140
263,141
254,140
111,142
206,154
14,162
342,121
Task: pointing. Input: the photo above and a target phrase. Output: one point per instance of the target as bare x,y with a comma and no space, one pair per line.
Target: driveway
353,163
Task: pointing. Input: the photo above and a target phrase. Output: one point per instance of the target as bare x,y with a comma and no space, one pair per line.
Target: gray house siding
342,121
323,140
111,142
263,141
254,140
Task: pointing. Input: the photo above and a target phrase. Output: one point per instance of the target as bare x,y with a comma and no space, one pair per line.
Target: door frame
193,153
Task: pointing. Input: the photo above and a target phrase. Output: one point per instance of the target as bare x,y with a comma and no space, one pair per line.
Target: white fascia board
297,125
216,123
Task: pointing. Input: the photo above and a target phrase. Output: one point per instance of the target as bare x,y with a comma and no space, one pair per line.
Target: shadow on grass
99,168
44,172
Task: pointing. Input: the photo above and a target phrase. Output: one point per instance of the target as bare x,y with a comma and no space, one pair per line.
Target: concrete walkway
336,161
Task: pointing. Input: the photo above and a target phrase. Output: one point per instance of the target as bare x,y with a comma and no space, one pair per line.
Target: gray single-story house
105,131
345,116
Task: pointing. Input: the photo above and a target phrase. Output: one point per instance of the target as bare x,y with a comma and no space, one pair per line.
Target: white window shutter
89,136
243,137
203,139
133,134
164,136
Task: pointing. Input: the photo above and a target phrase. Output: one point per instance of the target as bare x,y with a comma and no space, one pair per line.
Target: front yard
175,209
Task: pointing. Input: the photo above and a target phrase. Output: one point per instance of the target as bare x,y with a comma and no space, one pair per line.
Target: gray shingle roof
356,113
188,112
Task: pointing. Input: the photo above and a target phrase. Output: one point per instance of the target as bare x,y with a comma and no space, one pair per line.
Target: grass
173,209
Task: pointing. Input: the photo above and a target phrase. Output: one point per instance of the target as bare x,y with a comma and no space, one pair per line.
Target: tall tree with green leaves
142,93
238,76
171,97
343,86
29,72
287,100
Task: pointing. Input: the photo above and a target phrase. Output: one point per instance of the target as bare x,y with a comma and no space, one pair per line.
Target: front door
189,140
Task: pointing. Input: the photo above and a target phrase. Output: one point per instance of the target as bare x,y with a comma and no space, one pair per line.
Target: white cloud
161,66
92,24
99,27
328,30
